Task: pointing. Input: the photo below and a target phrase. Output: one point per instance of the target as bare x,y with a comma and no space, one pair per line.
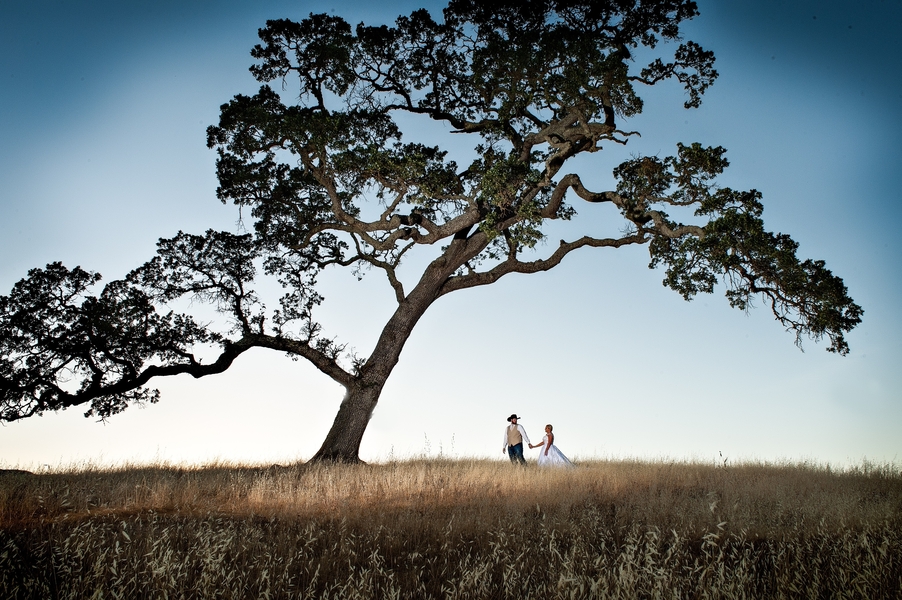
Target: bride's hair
549,427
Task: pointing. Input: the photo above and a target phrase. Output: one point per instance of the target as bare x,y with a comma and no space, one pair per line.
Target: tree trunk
342,444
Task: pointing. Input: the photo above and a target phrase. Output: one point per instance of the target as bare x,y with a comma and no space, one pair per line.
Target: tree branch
512,265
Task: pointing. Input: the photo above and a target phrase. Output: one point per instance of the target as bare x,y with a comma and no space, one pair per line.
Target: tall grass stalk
453,529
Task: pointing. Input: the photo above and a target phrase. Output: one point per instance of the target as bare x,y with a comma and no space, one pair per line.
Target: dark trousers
515,453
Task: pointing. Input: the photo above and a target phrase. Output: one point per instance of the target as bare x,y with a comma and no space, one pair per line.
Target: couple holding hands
549,455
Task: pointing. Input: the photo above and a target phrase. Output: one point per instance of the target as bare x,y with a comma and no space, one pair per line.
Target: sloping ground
455,529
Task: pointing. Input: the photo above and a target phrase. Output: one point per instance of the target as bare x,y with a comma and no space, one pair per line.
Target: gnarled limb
513,265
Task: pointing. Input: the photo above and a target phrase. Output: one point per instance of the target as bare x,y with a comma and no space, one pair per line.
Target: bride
550,456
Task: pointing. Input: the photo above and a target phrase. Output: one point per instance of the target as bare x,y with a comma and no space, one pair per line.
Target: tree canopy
317,163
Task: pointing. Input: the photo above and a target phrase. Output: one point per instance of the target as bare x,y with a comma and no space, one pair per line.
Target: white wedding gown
554,458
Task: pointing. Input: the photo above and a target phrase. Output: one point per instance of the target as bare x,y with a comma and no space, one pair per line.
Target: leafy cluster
59,343
733,246
536,82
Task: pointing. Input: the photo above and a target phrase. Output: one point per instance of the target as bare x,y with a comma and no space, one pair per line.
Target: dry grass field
453,529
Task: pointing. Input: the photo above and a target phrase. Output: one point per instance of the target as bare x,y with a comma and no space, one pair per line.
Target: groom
514,436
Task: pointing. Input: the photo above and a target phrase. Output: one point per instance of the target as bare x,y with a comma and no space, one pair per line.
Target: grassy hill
453,529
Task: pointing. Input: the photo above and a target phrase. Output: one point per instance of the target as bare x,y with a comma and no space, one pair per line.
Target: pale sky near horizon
103,108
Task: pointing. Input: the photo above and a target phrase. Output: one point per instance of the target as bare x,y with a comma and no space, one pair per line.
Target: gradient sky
103,109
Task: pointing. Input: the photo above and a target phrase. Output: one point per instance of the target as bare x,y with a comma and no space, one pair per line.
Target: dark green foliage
735,248
60,344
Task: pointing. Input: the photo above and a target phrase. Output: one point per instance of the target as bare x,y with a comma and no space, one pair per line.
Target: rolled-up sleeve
523,433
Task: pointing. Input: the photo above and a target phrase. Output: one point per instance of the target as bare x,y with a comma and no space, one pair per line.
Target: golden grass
453,529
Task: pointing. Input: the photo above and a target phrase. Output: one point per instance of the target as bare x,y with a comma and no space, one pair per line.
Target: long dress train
554,458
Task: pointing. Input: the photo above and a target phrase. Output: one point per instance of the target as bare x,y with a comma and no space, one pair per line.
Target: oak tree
317,162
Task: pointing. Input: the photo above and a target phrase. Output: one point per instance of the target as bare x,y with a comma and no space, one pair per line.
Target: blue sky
103,109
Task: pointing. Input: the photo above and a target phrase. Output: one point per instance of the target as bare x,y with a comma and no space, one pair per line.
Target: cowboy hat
513,416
